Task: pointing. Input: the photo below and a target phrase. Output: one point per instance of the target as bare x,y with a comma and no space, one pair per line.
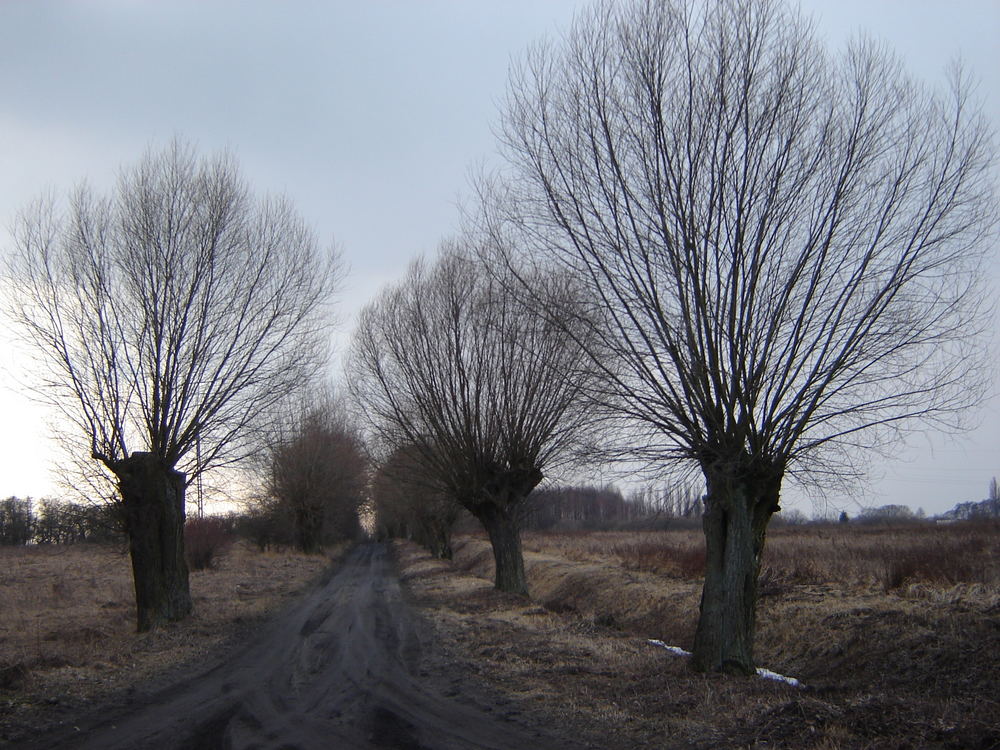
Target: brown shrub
683,561
205,539
888,557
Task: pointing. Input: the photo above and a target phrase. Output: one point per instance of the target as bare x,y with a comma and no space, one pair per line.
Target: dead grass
911,666
965,555
67,620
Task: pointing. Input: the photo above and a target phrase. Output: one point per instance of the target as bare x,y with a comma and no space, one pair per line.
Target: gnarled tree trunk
737,510
504,529
153,509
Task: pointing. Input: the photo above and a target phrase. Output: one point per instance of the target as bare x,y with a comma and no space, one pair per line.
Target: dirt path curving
349,666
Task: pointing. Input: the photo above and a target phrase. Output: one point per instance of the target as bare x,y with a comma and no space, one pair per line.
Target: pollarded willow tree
449,367
786,242
169,319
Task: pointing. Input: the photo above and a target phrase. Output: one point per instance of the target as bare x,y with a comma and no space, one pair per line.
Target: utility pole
199,487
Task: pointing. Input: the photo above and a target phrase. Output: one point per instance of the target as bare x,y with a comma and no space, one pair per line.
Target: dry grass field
965,555
890,655
67,622
894,633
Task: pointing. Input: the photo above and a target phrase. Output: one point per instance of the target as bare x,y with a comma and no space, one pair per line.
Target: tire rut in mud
341,669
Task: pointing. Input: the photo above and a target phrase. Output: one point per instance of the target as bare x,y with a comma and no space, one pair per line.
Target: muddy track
349,666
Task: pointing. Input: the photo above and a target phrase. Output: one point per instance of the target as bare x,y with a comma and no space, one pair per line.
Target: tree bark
737,511
153,508
504,529
308,529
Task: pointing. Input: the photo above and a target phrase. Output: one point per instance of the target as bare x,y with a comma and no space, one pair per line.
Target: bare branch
178,310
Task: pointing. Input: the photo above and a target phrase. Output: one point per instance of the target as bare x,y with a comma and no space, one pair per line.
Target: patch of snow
673,649
767,674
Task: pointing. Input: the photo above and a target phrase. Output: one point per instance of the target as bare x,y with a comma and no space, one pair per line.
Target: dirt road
350,666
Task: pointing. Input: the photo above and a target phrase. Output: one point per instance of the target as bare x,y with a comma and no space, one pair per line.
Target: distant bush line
267,526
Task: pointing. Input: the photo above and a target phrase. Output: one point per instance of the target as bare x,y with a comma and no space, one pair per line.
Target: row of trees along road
410,503
782,247
169,319
317,469
741,254
450,368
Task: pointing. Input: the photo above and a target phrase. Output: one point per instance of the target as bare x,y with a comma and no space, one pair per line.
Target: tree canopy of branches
318,471
170,315
450,366
786,243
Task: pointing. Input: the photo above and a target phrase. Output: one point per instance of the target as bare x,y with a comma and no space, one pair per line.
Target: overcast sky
369,116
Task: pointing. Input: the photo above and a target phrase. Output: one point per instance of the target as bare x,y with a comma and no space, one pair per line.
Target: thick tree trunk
736,515
153,507
504,529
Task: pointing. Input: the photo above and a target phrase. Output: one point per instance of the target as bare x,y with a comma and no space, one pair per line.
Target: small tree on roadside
317,473
787,244
485,393
168,318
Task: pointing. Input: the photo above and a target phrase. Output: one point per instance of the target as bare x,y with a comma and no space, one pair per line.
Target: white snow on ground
767,674
673,649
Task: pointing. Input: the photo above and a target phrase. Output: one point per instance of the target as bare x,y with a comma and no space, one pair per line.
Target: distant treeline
973,511
569,508
26,521
268,525
564,508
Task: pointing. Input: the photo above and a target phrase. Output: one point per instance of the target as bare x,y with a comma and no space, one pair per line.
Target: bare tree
169,316
787,244
317,473
484,391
